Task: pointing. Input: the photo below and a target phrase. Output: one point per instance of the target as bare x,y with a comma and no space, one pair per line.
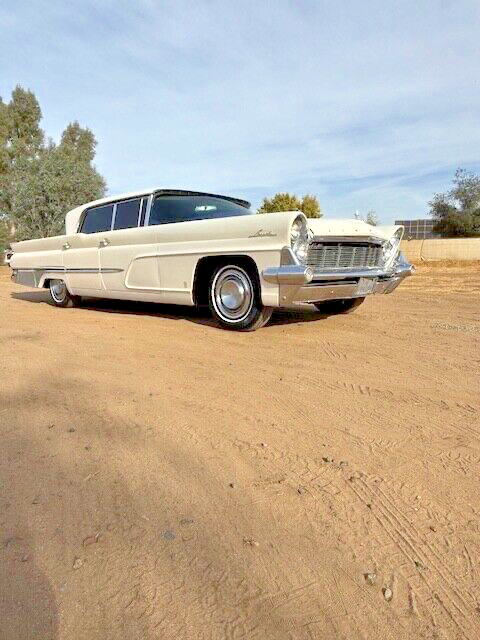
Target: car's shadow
170,311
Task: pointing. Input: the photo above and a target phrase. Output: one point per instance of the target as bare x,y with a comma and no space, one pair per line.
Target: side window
126,216
98,219
183,208
167,209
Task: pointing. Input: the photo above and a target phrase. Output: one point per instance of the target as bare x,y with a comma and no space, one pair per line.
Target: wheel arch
206,266
44,282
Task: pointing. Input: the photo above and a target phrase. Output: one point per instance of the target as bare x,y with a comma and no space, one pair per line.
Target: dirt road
161,478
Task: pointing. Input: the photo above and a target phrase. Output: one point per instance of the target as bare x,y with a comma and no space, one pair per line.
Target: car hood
346,227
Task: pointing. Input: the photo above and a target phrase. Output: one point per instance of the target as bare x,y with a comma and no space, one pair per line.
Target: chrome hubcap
232,294
58,290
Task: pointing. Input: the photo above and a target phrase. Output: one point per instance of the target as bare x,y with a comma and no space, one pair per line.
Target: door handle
66,246
104,243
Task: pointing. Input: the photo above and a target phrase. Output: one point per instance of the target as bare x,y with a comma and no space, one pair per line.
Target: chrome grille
323,256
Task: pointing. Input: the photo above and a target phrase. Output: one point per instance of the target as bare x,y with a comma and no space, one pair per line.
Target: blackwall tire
234,299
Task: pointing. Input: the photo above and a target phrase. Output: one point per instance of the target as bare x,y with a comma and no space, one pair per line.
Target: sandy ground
162,478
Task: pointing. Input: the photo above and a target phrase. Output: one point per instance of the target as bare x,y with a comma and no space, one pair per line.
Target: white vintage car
191,248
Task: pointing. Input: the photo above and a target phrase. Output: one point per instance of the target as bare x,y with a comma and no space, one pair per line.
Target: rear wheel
234,299
61,295
334,307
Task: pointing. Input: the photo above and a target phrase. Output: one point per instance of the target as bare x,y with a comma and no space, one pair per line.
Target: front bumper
299,284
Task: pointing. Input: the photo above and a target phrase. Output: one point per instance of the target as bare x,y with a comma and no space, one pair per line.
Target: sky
369,105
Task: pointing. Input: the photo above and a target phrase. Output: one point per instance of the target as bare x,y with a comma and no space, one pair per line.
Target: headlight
299,238
391,248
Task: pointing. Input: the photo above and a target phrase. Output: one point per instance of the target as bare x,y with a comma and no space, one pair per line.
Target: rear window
98,219
168,209
126,215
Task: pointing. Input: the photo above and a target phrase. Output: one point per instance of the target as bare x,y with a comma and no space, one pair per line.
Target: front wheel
61,295
234,299
334,307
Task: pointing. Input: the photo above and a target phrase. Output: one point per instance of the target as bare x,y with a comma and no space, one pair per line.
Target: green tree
5,161
26,136
311,207
40,181
457,212
372,218
309,204
21,139
5,235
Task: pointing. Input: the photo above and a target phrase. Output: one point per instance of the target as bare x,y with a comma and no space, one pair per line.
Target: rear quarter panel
37,254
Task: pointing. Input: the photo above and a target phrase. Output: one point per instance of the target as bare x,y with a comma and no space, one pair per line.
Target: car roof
167,192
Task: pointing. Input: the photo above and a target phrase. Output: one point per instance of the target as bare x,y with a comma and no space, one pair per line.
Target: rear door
81,250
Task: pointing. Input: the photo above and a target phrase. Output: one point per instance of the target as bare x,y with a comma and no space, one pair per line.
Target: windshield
170,208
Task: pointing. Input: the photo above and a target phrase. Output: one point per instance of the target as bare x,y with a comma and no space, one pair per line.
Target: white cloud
370,105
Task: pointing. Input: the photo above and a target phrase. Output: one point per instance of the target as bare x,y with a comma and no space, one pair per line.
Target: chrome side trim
35,276
54,269
93,270
76,270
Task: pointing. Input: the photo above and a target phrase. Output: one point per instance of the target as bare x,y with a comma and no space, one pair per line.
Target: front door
128,259
128,253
